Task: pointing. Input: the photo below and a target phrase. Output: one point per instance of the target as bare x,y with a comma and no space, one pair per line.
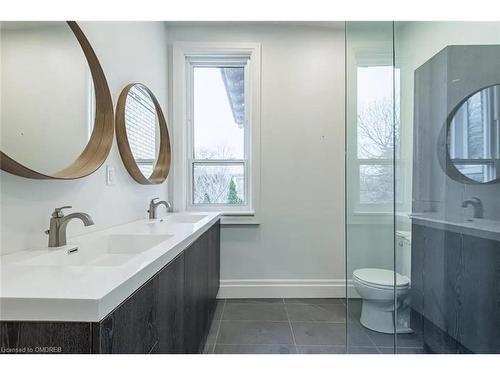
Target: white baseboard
284,288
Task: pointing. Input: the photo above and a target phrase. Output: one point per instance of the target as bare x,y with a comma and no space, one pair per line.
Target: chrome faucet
58,223
154,205
476,203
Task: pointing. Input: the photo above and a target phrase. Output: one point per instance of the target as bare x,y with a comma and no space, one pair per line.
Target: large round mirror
473,140
51,89
142,135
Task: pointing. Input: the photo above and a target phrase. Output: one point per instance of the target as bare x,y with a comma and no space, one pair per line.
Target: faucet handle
58,211
153,200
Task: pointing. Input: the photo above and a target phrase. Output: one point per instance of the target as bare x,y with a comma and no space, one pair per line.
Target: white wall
128,52
298,248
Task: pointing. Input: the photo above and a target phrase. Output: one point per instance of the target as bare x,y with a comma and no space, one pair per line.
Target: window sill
375,217
232,217
239,218
373,213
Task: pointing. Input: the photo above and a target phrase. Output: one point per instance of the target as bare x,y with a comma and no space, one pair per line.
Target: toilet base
379,316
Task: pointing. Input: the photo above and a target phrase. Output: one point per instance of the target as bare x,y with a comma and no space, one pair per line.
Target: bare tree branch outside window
376,137
218,184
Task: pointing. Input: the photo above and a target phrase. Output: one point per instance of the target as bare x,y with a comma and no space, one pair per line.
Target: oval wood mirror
142,135
57,112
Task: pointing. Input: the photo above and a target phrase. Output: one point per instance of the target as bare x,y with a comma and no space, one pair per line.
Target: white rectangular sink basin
185,218
106,251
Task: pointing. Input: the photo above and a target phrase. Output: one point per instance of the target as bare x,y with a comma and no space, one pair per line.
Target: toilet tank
403,253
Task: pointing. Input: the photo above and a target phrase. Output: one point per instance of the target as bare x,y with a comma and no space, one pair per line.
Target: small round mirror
473,139
142,135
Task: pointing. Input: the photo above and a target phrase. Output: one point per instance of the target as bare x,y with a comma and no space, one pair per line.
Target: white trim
180,52
370,217
239,218
285,288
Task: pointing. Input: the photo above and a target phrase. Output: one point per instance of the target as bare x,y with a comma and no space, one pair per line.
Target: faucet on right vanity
153,206
476,203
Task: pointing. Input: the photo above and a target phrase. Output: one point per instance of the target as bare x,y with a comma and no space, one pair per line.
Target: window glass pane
475,129
219,184
472,128
142,123
219,112
375,111
478,172
375,184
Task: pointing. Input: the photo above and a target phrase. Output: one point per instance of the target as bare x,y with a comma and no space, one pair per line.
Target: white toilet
376,287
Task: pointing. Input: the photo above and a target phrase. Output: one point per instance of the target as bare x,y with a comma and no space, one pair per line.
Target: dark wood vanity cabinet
455,291
170,313
201,288
133,326
171,287
213,266
196,295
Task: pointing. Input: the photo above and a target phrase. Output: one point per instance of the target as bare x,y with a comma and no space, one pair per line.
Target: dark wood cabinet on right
171,313
455,291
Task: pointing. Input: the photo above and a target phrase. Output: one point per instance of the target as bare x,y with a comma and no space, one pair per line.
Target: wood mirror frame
162,166
101,139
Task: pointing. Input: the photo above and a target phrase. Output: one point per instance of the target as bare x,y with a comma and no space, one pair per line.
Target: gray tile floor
288,326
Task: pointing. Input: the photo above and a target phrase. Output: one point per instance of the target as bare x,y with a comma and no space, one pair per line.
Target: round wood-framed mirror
142,135
46,138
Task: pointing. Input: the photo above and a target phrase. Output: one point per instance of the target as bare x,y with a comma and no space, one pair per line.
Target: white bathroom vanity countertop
51,284
483,228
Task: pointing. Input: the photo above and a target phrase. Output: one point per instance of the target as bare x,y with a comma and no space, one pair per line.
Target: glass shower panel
447,167
370,135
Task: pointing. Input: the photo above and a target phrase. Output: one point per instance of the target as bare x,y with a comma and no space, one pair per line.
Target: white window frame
355,163
186,56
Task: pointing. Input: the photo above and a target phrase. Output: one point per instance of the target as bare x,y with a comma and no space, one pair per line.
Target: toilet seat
380,278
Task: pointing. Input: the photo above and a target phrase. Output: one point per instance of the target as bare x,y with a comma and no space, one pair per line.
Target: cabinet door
171,307
214,265
196,294
132,327
44,337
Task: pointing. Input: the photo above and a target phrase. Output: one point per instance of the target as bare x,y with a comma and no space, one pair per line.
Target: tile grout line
346,303
402,347
218,328
276,344
291,327
373,342
284,321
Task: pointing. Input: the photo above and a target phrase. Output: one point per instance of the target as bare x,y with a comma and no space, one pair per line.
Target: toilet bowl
377,287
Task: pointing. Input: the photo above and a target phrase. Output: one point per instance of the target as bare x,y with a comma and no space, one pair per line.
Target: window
375,136
218,148
219,137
